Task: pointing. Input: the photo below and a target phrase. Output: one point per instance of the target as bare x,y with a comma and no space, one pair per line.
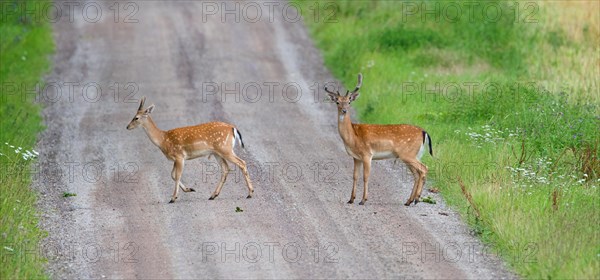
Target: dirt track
298,224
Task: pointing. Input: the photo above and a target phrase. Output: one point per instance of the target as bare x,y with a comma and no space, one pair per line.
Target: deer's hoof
249,196
351,201
192,190
172,200
362,202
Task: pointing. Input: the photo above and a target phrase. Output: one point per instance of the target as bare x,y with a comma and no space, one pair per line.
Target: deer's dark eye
136,118
338,103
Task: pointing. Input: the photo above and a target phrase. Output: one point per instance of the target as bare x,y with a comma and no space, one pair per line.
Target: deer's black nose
344,111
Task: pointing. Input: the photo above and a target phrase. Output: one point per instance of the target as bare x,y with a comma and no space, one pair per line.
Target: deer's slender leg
224,173
355,177
242,165
178,166
422,175
366,173
181,185
419,171
415,174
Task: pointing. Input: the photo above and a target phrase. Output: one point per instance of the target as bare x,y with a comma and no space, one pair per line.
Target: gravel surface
298,225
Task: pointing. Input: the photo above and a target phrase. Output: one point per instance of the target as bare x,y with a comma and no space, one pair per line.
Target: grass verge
25,45
511,101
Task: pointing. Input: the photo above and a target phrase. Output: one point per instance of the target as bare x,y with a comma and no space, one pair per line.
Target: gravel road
197,64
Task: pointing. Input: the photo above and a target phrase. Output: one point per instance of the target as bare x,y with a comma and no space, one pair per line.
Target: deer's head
343,101
141,116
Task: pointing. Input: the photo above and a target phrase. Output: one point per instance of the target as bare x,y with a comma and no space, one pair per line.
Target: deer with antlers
180,144
367,142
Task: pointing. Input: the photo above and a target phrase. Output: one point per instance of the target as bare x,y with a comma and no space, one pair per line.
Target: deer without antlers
367,142
190,142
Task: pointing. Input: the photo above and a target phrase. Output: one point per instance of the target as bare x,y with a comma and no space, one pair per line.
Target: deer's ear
353,96
333,96
149,110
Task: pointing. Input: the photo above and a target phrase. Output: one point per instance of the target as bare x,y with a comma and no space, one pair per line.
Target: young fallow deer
184,143
367,142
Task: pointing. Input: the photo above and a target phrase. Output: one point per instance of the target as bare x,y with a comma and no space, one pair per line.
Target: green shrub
25,45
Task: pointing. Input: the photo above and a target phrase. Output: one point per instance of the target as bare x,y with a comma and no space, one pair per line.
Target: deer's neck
156,135
346,130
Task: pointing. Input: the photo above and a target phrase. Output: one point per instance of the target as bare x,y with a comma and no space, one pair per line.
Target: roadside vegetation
511,101
25,47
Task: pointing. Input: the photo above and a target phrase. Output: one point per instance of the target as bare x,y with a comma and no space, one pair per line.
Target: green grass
512,110
25,45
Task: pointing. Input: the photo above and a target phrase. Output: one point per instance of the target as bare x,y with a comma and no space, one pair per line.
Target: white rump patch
421,151
234,138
